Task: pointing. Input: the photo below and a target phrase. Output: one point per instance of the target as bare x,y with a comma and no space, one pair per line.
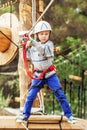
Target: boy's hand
28,44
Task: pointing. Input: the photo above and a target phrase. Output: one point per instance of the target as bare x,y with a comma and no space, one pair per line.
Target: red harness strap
51,68
26,64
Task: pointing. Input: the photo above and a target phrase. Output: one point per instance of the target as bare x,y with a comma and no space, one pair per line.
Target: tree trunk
25,15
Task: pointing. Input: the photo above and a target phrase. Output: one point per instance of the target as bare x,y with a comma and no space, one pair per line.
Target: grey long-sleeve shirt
41,55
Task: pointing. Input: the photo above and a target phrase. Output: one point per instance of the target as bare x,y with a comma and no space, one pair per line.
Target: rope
72,62
24,126
66,57
10,15
26,65
48,6
33,12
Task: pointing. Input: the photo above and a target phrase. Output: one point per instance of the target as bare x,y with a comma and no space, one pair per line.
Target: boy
41,53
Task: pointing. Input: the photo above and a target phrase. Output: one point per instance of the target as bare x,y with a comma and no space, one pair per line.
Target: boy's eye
44,34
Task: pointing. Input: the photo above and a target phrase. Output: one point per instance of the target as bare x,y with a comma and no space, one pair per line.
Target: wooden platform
42,122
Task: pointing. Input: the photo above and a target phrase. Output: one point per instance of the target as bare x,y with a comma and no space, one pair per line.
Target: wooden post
25,15
41,6
25,24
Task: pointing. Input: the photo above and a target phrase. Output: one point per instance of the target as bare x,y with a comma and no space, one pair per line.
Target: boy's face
44,36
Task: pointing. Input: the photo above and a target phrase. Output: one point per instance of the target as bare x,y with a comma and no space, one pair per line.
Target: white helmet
42,26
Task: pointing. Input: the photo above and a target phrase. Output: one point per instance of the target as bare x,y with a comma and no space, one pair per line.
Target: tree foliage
69,23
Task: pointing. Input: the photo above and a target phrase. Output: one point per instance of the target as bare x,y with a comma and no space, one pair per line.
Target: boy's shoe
22,118
72,120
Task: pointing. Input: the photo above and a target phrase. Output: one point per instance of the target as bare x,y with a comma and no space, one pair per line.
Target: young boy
41,53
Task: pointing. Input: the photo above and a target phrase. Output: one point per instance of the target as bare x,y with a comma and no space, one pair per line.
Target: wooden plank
85,73
39,122
73,77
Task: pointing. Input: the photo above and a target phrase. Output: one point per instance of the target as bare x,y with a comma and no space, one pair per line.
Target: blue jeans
55,86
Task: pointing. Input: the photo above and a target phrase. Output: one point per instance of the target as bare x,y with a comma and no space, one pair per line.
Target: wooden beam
85,73
17,99
9,73
41,122
73,77
41,6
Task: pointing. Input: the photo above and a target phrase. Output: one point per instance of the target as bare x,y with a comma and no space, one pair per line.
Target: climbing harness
51,68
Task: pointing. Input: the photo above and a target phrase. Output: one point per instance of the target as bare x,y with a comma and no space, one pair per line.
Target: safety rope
33,12
24,126
11,15
45,10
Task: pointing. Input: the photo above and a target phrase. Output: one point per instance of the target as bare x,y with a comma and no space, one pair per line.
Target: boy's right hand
28,44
